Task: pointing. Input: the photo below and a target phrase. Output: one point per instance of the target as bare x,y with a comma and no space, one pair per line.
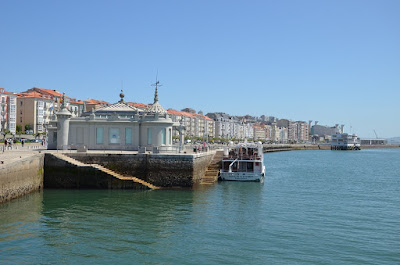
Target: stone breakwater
22,176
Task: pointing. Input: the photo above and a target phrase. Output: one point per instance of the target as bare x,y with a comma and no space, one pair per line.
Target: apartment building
8,112
34,109
196,124
76,107
297,131
53,94
260,133
223,124
303,131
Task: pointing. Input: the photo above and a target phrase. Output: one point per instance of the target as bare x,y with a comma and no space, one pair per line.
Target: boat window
226,166
250,166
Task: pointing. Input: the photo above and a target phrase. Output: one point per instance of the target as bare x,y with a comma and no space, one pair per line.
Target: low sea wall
291,147
21,177
157,169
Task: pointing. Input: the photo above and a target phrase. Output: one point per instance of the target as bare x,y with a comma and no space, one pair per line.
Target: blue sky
330,61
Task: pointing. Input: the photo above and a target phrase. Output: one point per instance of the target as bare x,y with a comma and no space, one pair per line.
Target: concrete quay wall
60,174
21,177
157,169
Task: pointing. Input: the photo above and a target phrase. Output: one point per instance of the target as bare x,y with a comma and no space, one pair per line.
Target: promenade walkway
16,152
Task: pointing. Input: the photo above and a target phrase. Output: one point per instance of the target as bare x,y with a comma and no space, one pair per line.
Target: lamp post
181,136
45,125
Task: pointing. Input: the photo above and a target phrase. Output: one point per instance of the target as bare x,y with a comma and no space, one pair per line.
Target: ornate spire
156,107
156,84
156,95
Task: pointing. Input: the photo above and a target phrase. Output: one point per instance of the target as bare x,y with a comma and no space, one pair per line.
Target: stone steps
106,170
212,172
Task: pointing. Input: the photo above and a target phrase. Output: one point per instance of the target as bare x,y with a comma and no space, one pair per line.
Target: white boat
243,162
344,141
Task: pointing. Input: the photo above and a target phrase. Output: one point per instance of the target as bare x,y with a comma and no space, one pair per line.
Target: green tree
19,129
28,127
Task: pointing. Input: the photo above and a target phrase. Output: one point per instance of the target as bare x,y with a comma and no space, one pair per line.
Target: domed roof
156,108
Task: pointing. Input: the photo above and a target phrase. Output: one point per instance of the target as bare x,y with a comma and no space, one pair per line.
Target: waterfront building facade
297,131
325,131
115,127
53,94
303,133
34,111
76,107
260,132
8,111
223,125
196,124
229,127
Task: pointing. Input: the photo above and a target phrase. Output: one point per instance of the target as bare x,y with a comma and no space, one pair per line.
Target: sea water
314,207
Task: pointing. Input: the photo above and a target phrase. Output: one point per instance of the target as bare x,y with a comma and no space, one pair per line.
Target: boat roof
246,145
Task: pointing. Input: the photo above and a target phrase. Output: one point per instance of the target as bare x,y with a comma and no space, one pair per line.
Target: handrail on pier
230,166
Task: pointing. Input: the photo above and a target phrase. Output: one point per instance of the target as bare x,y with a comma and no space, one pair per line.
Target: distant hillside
393,140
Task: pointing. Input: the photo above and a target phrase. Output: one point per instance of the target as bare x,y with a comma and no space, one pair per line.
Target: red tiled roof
33,95
202,117
74,101
3,91
96,102
179,113
46,91
188,114
138,105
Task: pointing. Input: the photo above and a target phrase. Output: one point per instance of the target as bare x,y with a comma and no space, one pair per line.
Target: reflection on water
20,226
308,210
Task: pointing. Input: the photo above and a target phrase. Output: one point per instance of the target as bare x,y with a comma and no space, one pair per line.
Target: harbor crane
376,135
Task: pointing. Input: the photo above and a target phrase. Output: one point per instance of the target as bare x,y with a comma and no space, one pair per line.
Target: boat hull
241,176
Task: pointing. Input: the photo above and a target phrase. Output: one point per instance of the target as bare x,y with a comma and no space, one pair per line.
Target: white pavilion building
115,127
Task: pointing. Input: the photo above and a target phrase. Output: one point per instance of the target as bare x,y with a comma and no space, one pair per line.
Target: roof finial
121,95
63,101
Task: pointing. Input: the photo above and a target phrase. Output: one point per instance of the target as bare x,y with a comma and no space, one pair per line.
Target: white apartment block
8,112
196,125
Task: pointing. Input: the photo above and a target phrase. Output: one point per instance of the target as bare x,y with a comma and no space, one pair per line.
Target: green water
315,207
